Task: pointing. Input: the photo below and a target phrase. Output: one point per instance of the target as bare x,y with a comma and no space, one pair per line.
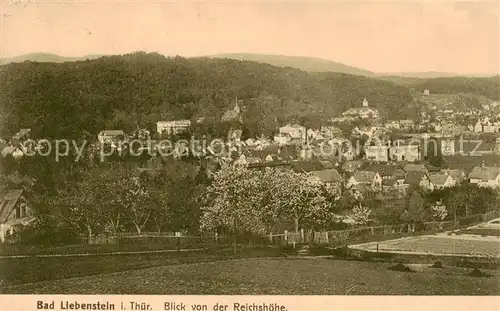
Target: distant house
351,166
364,112
172,127
14,213
377,152
447,146
392,175
234,135
427,92
330,131
485,176
404,151
456,174
330,178
233,114
415,168
22,134
294,131
406,125
418,178
282,139
109,136
441,180
369,178
392,125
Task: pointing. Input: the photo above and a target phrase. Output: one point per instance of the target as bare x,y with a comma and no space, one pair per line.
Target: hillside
488,86
311,64
121,92
45,57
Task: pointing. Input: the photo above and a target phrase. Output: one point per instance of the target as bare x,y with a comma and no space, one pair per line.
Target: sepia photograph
248,148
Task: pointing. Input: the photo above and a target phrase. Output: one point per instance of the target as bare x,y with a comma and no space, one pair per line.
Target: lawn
274,276
36,269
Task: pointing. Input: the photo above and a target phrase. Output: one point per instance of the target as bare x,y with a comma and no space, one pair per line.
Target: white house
294,131
14,213
485,176
108,136
172,127
404,151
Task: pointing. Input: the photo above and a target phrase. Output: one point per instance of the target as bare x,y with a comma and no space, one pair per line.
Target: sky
381,36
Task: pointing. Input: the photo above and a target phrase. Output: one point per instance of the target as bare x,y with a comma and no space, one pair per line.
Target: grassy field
273,276
36,269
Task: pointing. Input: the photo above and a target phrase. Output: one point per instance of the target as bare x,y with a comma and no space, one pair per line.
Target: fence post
302,239
286,237
326,237
271,238
216,238
178,238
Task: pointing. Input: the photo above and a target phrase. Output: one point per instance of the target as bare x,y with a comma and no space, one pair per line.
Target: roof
414,177
234,134
415,168
364,176
351,165
9,200
406,122
327,164
386,170
358,110
112,132
485,173
438,178
176,122
307,166
455,174
330,175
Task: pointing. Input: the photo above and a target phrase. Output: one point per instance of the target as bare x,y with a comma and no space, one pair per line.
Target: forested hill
121,92
489,87
311,64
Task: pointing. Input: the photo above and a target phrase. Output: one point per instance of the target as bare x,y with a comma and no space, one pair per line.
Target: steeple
365,102
237,106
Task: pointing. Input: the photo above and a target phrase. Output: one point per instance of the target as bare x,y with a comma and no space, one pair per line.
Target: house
456,174
441,180
14,213
497,145
377,152
307,166
282,139
485,176
330,131
330,178
447,146
369,178
417,178
404,151
392,125
294,131
427,92
172,127
233,114
23,134
392,175
109,136
351,166
415,168
364,112
478,127
406,125
234,136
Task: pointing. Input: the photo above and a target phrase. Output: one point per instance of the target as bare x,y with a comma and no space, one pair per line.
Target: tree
360,215
438,210
415,211
133,197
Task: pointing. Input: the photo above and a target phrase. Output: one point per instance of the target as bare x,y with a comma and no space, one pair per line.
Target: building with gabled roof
14,213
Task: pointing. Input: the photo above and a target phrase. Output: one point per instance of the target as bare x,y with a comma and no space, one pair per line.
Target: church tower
237,107
365,102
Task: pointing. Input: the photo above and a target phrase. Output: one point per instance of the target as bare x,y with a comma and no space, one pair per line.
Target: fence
336,238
